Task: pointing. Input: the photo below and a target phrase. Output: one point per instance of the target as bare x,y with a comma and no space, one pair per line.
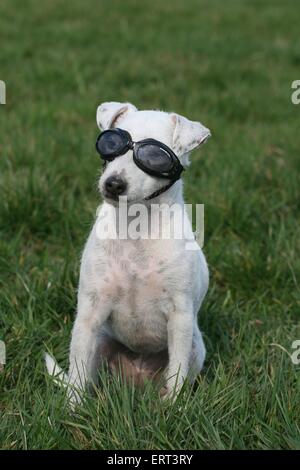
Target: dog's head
122,177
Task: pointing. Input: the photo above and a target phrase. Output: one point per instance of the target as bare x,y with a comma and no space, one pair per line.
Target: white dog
138,298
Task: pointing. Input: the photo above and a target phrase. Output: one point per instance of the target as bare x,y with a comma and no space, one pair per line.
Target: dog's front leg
86,336
180,337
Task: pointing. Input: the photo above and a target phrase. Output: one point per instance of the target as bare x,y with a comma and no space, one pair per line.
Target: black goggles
150,155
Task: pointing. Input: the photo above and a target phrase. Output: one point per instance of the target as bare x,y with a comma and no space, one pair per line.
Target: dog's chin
115,202
110,200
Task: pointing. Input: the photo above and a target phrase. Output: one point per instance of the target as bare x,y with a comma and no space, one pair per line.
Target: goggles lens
111,143
154,158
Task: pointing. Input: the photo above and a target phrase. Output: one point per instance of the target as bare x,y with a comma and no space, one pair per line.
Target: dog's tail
59,376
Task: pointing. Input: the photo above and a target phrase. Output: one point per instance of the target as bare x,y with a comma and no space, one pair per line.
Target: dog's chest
137,280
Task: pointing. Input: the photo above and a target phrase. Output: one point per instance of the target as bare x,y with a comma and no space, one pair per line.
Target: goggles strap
161,190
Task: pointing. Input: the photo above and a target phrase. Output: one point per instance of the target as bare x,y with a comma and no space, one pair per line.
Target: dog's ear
109,114
188,135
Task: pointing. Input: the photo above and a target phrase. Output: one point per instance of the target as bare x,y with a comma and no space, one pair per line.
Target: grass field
229,64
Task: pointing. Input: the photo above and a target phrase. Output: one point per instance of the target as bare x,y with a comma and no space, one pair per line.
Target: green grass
229,64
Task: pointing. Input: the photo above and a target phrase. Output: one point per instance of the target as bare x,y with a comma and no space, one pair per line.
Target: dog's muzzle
114,187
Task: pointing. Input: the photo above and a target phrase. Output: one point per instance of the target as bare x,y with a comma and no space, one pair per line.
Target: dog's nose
115,186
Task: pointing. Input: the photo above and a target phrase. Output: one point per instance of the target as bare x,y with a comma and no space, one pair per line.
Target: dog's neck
174,195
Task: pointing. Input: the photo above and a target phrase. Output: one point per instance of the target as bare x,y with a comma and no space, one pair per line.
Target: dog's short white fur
145,294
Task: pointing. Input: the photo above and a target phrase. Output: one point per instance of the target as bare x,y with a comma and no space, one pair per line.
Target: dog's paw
74,397
172,388
163,392
170,394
